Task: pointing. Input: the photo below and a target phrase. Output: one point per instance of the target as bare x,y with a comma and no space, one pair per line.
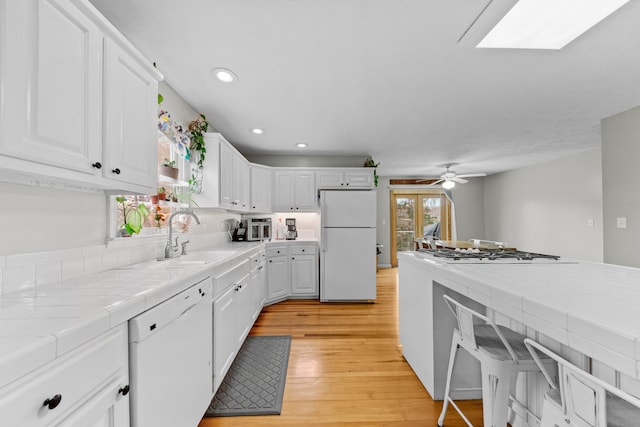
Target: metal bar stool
502,355
579,399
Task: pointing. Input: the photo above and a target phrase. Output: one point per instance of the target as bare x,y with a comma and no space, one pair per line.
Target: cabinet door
108,408
329,179
225,322
305,191
359,179
278,276
51,78
284,196
304,274
260,189
226,177
244,306
241,182
131,116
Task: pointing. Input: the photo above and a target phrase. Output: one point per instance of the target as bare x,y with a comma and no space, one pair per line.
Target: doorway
416,213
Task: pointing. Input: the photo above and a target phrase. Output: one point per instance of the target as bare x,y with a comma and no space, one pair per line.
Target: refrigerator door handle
323,240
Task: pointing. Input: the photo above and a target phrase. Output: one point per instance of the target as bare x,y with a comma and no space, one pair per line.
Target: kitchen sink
204,257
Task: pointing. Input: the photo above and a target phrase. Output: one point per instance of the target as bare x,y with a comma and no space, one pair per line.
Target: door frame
445,219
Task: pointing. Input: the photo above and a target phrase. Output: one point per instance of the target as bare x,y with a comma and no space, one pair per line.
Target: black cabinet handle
303,250
116,171
97,165
270,260
293,258
124,390
53,402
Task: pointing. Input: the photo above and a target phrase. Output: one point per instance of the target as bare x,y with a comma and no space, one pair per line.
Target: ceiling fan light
448,185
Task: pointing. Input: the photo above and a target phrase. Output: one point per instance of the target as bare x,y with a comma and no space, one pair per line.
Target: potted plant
133,216
168,168
162,193
369,163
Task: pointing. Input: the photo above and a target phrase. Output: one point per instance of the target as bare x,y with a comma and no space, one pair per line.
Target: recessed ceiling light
257,131
224,75
301,145
536,24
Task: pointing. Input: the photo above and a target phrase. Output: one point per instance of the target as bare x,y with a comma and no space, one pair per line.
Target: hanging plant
369,163
197,128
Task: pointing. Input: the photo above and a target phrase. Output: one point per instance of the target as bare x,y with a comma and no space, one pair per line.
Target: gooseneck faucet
171,250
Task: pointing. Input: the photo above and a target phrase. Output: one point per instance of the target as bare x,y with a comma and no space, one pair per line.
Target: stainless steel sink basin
203,257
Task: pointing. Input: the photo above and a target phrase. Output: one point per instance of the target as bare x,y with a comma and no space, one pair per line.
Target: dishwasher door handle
187,309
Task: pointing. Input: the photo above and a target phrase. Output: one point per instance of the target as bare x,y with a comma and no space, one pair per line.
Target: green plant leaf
160,99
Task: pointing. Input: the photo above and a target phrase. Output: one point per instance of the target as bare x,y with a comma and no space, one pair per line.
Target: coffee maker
292,233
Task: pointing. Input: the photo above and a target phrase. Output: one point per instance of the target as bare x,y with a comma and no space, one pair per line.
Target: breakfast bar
585,310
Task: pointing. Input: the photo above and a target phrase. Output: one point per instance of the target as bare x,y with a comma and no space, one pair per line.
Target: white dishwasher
170,354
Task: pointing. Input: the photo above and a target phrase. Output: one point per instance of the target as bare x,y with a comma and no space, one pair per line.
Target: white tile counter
589,307
41,323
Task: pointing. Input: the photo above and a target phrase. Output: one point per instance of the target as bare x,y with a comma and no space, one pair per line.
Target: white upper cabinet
52,81
226,177
345,178
294,191
260,189
131,117
72,87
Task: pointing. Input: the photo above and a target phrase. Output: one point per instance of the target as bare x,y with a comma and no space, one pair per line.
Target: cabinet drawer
304,250
224,280
75,376
276,250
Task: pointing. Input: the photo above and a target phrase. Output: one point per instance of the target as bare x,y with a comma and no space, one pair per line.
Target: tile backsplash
22,272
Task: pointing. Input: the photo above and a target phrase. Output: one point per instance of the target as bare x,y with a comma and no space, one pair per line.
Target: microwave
259,229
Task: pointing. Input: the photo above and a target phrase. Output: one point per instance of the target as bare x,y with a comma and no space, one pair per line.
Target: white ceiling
385,78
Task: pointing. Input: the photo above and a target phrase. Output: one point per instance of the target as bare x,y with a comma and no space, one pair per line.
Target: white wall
621,186
545,208
468,201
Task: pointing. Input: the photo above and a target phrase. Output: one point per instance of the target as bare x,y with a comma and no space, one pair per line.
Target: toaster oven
259,229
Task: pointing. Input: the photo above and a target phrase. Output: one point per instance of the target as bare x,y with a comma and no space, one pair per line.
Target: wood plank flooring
345,368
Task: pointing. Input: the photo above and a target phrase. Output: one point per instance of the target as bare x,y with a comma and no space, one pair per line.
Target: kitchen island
585,310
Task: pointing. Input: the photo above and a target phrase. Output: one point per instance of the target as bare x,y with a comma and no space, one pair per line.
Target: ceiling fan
450,178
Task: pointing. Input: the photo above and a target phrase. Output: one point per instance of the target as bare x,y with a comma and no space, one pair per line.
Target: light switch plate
621,222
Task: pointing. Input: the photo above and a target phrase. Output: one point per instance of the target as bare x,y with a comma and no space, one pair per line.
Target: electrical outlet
621,222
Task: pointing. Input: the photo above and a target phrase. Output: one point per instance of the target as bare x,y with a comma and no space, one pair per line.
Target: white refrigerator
348,245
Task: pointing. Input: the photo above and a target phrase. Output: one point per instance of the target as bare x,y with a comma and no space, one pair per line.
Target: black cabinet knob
270,260
53,402
293,258
116,171
124,390
303,250
97,165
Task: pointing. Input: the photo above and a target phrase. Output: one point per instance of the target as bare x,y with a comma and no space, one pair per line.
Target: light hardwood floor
345,368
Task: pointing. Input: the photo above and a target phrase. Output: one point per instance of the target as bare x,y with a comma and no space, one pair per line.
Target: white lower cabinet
304,270
235,309
85,387
292,271
278,273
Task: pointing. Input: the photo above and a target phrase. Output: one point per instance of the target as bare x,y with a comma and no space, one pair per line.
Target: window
415,213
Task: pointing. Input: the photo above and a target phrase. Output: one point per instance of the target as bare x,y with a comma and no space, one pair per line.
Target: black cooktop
488,254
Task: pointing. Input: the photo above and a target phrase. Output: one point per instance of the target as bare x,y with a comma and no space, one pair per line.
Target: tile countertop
591,307
40,324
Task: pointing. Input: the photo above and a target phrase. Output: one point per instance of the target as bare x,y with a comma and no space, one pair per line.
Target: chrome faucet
171,250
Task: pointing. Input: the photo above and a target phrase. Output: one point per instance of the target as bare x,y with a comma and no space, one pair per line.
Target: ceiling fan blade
459,180
436,182
471,175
